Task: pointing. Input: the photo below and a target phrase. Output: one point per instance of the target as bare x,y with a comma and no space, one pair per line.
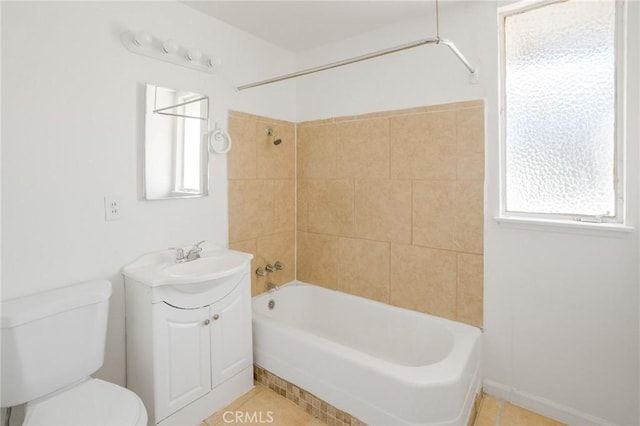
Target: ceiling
301,25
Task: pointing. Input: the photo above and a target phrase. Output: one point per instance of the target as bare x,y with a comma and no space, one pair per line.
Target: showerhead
269,132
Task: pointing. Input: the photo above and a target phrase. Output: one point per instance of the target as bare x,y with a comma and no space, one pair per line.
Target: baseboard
497,390
542,405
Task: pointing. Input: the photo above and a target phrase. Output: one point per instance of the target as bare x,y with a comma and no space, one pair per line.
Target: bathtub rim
465,361
464,337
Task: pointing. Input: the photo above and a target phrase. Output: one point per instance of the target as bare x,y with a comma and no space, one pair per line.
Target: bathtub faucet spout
271,287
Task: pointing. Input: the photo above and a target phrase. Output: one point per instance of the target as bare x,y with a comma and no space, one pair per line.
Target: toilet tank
52,339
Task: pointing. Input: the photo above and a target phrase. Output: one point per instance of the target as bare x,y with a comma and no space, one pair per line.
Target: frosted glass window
560,109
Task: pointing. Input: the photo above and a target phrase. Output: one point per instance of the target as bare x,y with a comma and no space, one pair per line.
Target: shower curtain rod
433,40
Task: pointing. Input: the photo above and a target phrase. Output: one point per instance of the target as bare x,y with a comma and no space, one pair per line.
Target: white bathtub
382,364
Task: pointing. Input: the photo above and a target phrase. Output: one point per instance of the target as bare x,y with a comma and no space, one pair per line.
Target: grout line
430,109
389,177
411,209
500,406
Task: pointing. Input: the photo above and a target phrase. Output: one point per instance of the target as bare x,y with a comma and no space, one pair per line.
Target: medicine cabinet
176,161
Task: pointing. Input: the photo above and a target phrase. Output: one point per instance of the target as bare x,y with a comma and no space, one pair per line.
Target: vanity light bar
143,43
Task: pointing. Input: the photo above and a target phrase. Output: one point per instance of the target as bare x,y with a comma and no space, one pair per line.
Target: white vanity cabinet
231,340
182,357
189,346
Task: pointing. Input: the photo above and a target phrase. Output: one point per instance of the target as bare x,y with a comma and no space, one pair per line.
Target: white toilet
51,343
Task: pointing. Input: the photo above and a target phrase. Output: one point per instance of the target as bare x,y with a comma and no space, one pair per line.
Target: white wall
561,308
72,115
421,76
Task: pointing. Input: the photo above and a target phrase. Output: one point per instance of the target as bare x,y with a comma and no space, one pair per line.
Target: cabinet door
181,355
231,347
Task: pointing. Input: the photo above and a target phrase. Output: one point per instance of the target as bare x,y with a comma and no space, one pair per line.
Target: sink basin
205,266
160,269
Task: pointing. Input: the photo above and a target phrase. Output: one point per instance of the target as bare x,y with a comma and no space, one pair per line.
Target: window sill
615,230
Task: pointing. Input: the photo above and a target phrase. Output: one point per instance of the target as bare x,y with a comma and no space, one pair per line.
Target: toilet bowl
92,402
51,343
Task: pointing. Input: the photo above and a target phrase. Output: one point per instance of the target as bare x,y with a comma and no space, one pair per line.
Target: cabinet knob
215,317
206,322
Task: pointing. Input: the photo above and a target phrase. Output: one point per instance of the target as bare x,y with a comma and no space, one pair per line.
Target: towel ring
218,136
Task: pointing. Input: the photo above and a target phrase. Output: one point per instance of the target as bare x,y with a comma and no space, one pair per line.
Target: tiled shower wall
389,205
262,194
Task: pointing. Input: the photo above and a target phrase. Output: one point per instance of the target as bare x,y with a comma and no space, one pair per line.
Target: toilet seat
91,403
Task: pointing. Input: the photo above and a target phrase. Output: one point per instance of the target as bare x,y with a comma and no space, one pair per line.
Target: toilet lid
93,402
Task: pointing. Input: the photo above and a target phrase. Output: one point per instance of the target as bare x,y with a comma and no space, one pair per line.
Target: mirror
176,161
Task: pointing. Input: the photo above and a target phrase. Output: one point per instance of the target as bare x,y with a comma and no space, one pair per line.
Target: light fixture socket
214,63
168,50
169,46
142,38
193,55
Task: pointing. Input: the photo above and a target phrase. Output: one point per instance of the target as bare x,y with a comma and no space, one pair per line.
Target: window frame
619,119
179,164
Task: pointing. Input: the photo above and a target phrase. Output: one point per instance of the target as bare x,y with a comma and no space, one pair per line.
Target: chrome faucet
194,252
179,255
272,287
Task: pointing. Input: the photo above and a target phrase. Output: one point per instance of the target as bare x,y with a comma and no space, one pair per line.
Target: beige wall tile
313,123
317,153
470,130
470,143
448,215
249,246
302,205
383,210
407,111
241,160
470,166
363,149
434,213
423,279
411,176
272,248
363,268
275,162
250,209
318,259
423,146
443,107
245,115
469,219
453,106
284,205
444,129
331,206
470,289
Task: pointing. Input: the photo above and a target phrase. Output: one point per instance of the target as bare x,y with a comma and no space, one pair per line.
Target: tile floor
261,406
494,412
